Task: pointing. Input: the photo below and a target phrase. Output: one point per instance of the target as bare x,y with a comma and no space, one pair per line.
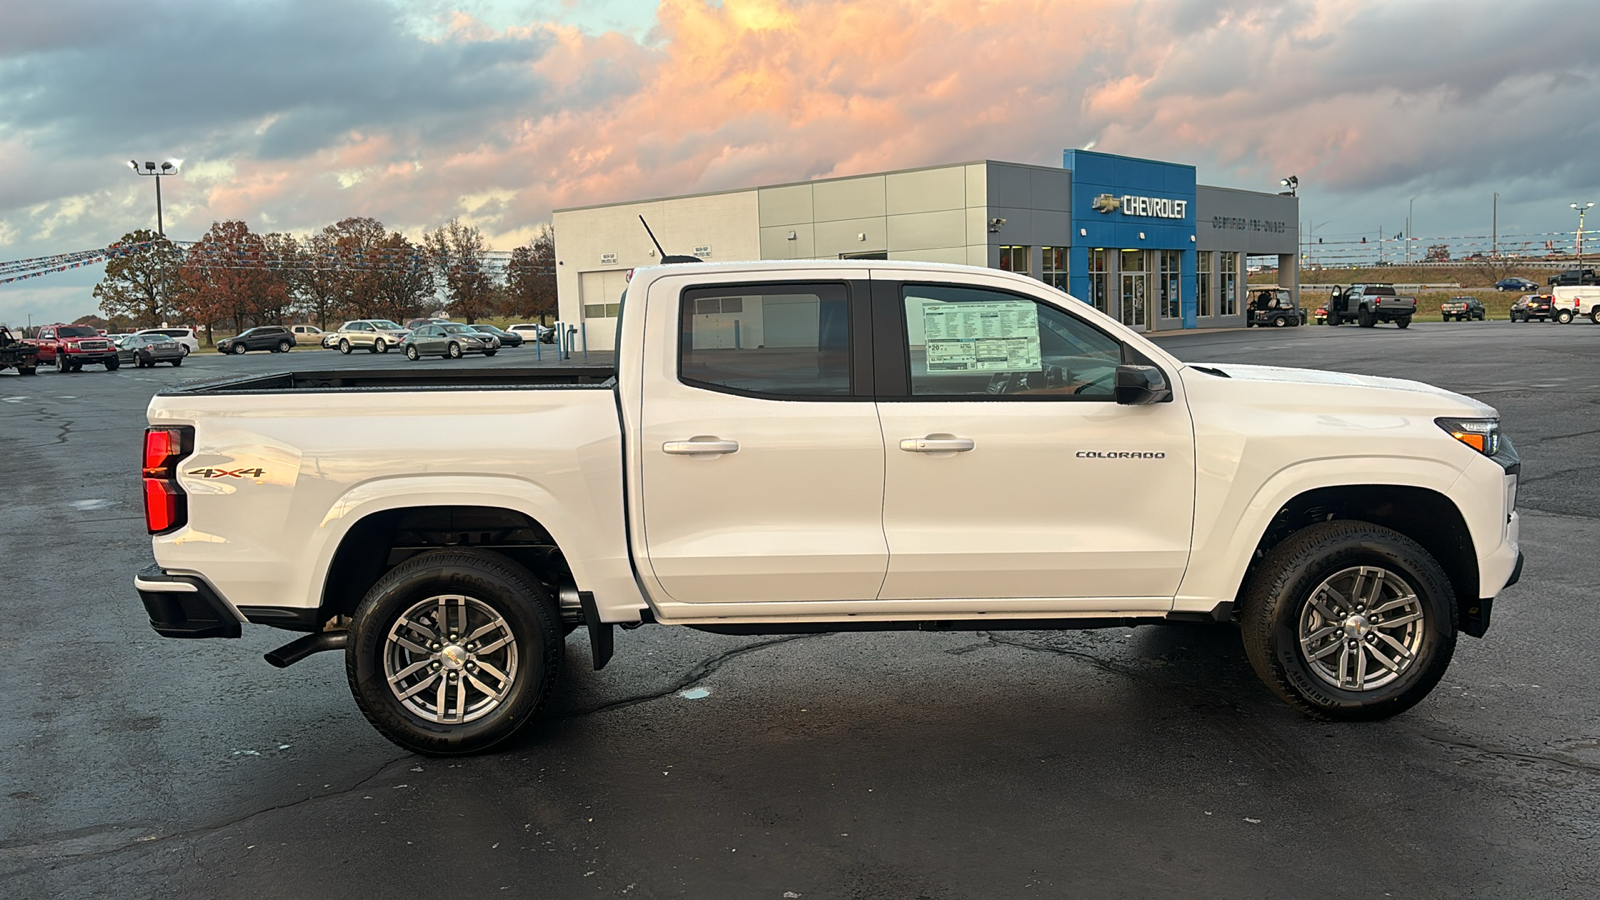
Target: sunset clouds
294,114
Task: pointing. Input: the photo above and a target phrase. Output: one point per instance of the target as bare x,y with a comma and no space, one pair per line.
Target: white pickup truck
826,446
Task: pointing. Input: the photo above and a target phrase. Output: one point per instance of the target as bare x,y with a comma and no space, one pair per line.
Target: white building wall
606,241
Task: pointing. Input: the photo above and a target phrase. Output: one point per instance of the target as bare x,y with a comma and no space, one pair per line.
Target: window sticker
1002,336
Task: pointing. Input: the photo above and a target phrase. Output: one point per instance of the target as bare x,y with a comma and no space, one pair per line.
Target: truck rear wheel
453,650
1564,316
1349,620
1403,321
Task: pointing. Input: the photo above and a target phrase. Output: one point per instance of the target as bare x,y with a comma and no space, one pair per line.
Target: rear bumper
182,606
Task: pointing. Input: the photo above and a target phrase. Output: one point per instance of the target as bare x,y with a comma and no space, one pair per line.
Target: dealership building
1138,238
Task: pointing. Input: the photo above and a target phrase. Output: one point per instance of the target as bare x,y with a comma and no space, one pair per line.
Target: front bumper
89,356
181,606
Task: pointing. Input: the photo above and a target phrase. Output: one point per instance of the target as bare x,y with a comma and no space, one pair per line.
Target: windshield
386,325
76,331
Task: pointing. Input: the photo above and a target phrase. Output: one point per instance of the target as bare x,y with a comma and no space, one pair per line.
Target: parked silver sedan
449,339
146,349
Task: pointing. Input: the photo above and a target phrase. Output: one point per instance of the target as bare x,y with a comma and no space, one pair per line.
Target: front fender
1230,526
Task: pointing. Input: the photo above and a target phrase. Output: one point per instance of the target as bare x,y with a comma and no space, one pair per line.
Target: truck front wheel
1349,620
453,650
1366,318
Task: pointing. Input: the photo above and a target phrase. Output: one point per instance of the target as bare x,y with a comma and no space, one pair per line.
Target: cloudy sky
291,114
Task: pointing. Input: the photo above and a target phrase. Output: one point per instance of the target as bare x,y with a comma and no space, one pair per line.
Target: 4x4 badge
229,473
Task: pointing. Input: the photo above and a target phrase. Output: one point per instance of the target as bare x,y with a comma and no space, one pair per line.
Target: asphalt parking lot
1113,763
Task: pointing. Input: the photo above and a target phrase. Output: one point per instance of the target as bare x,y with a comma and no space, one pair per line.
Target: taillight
166,506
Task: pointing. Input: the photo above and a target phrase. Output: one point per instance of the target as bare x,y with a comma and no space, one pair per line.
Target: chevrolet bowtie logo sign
1133,205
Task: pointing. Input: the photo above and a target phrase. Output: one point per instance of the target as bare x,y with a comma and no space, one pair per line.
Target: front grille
93,345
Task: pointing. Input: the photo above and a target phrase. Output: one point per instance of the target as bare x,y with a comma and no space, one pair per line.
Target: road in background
1118,762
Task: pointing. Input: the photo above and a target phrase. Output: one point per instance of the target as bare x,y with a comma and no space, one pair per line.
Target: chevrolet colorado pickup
816,446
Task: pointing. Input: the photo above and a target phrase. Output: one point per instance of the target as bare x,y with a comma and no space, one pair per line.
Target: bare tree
532,277
457,251
139,284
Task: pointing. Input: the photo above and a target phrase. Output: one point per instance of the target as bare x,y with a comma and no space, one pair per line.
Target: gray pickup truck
1369,304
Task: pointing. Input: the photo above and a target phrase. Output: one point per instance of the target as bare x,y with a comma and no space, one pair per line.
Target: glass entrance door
1135,306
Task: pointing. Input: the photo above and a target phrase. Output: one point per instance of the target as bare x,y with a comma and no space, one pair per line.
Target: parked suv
184,336
1462,308
376,335
1532,306
275,338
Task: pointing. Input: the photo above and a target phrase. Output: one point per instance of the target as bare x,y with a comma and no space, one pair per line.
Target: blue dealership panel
1115,199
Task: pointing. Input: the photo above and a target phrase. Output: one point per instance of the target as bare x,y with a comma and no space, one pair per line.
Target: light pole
1410,236
1581,208
1292,183
170,167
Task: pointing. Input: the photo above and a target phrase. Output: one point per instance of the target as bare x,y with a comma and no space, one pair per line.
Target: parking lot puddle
694,694
90,504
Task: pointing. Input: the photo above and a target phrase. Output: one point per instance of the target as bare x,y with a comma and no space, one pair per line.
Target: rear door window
782,341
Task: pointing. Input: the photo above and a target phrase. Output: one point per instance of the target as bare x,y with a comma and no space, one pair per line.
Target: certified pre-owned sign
1131,205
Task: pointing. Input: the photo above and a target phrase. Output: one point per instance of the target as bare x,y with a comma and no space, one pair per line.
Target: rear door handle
937,445
700,447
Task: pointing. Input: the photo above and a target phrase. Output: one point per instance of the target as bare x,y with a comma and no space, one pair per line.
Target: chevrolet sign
1154,207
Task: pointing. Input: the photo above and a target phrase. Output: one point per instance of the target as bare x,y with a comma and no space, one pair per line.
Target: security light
995,223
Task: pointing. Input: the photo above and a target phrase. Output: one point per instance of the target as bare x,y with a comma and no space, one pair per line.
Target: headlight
1482,435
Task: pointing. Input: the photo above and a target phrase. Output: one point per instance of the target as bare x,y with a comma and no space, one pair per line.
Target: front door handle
700,448
937,444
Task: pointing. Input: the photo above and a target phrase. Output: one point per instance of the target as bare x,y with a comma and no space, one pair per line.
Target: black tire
175,363
27,370
61,364
1366,318
453,351
344,346
495,583
1279,603
490,352
411,352
1333,318
184,348
1403,321
1564,316
237,349
1280,322
285,346
380,346
373,347
113,364
1594,315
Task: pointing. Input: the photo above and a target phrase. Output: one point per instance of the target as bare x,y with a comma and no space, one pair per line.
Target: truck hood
1449,401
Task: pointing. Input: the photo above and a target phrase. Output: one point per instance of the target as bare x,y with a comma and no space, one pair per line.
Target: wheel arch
1422,514
384,538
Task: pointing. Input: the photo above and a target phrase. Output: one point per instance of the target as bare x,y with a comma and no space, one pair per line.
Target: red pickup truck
70,347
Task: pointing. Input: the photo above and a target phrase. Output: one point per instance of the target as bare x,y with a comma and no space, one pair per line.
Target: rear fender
590,537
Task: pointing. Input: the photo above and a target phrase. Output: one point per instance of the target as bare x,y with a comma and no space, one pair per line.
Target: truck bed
378,380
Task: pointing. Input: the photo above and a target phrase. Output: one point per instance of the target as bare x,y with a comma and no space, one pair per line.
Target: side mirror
1139,385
